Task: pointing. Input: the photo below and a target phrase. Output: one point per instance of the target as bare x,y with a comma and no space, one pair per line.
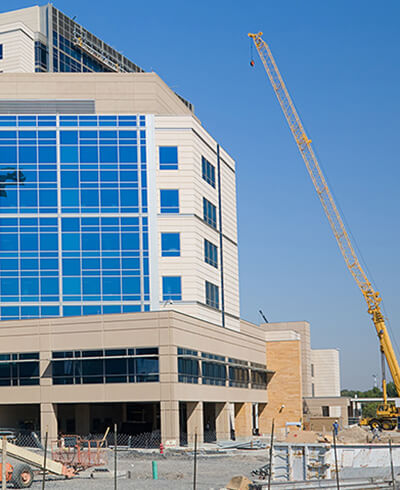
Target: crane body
386,413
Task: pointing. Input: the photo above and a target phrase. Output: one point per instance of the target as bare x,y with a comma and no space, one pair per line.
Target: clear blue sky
340,60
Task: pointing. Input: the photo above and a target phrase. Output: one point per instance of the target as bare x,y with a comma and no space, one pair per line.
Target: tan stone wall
243,419
285,388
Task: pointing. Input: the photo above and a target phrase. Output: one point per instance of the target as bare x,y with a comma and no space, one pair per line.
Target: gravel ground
175,472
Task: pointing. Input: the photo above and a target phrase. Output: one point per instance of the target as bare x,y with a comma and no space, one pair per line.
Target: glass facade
210,253
19,369
168,156
41,57
138,365
169,201
73,216
212,369
170,245
172,288
209,213
212,295
208,171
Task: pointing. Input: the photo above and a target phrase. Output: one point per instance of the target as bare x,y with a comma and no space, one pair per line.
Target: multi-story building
115,205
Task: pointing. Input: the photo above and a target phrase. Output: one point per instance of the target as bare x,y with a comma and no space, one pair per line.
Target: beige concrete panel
20,395
218,394
325,372
29,16
148,93
195,424
48,421
222,422
170,423
243,420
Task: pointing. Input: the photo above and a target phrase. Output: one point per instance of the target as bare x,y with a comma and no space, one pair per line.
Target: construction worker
335,428
376,434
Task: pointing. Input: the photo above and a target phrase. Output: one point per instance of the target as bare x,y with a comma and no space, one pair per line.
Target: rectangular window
170,245
138,365
213,373
168,157
208,171
312,370
210,253
1,51
212,295
325,411
169,201
172,288
19,369
209,213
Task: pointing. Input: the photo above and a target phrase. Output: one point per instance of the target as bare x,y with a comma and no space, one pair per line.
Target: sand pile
354,434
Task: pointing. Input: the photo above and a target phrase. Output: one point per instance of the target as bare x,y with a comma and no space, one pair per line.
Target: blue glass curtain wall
73,216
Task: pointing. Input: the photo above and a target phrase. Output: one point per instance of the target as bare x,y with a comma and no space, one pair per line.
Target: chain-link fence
145,440
23,438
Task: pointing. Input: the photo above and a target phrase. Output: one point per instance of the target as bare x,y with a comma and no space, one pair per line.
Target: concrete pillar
170,423
243,419
264,419
195,423
82,419
48,421
222,422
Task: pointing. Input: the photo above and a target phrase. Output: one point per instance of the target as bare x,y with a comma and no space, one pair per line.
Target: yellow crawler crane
386,414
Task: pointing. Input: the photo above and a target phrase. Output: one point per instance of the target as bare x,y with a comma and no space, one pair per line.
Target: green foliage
391,390
373,393
369,409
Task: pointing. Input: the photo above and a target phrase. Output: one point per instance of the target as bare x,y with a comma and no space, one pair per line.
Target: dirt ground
174,472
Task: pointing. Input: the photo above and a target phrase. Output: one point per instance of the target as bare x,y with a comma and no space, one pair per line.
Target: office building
119,293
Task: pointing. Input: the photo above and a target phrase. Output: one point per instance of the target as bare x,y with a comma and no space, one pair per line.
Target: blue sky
340,61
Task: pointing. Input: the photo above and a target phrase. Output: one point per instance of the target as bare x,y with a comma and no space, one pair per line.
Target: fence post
336,463
45,460
271,454
195,461
115,456
155,470
3,463
391,462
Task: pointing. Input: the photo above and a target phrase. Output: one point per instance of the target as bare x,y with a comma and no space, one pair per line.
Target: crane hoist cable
303,142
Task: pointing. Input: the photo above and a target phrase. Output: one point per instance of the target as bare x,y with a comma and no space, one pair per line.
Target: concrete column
195,423
222,423
82,419
170,423
264,419
48,421
243,419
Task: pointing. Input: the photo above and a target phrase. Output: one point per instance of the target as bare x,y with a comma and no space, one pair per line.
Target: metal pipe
336,463
45,460
195,461
115,457
391,462
270,454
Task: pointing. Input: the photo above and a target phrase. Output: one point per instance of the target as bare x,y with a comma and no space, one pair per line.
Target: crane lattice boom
371,296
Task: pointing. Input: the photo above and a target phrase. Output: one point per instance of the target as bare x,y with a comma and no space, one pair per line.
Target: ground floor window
135,365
